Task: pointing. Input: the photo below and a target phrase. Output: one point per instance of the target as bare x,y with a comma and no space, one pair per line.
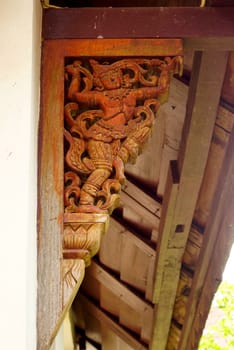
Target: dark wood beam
220,3
141,22
121,3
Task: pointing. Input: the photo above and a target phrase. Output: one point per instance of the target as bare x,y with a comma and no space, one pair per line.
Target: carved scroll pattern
109,111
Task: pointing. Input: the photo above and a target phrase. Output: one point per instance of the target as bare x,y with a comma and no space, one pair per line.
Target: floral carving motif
82,235
109,111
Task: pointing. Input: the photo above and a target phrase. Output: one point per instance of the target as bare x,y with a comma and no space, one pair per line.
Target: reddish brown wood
228,87
113,125
151,22
220,3
58,280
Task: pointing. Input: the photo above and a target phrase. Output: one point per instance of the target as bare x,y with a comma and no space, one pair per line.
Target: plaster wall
20,23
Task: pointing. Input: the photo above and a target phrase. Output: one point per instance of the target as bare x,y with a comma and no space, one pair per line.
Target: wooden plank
220,138
117,247
138,22
109,301
118,289
109,323
219,236
114,47
111,341
173,113
136,257
133,312
139,216
228,86
50,202
110,249
164,229
205,43
166,266
203,99
144,199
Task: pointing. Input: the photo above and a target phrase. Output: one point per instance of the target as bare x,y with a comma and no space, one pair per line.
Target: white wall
19,82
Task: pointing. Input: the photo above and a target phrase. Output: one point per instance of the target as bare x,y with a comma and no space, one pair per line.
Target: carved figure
108,117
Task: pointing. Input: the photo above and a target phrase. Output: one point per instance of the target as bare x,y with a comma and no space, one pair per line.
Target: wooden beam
167,265
50,204
203,100
138,22
218,239
221,43
110,323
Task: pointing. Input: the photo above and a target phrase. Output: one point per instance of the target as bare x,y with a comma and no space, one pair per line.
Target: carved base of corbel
82,235
81,241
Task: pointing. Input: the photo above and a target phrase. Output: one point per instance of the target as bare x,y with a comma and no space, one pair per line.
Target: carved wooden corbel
110,107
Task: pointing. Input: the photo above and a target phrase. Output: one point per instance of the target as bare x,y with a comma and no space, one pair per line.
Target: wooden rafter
219,235
203,100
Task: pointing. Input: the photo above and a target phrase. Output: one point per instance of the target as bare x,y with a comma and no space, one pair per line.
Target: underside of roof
161,260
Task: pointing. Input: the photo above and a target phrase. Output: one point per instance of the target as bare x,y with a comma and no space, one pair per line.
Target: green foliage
220,336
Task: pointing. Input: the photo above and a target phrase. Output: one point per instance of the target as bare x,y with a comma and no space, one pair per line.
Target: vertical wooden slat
50,203
203,100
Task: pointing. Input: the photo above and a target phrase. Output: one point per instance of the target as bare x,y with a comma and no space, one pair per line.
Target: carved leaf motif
111,109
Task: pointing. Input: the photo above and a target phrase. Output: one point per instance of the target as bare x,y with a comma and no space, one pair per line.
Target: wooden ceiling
161,261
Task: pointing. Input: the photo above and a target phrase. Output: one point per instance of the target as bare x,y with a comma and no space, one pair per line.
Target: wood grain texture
219,236
50,203
128,255
220,138
228,87
203,99
138,22
132,312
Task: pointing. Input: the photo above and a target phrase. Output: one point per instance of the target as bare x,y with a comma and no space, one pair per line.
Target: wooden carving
108,115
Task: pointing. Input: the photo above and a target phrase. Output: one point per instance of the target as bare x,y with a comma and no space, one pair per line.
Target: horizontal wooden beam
138,22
